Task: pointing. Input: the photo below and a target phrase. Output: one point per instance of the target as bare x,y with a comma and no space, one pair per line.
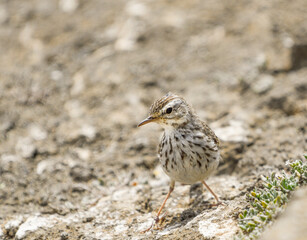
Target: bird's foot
218,203
157,221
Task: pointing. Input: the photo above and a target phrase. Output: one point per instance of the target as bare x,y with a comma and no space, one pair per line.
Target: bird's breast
187,156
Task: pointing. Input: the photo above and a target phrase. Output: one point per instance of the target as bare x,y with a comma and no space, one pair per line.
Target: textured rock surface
77,76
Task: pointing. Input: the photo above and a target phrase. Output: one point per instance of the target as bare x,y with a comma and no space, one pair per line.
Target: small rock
88,131
278,58
47,148
43,200
44,165
31,225
87,219
78,84
12,226
225,229
68,6
1,234
3,14
6,126
64,235
79,188
283,103
130,29
286,55
25,147
56,75
74,108
136,8
83,154
7,162
121,228
299,55
235,132
37,133
263,84
80,173
187,214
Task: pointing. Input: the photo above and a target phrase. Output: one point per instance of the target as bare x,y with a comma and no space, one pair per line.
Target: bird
189,150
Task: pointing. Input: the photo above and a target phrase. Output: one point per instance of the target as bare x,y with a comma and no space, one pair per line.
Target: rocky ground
76,77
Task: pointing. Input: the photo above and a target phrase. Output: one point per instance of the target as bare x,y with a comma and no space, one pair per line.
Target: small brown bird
189,149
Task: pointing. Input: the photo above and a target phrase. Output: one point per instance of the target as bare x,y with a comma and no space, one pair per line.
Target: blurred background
77,76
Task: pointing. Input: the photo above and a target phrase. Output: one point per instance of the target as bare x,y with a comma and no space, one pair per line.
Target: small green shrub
269,200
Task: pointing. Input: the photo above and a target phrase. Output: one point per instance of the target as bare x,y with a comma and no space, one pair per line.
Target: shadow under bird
189,149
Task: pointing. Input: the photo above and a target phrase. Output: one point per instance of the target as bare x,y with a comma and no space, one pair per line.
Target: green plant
269,200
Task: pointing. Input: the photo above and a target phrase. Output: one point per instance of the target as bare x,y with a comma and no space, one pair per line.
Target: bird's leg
214,195
171,189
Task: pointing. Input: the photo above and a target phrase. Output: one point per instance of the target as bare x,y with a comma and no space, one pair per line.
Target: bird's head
169,111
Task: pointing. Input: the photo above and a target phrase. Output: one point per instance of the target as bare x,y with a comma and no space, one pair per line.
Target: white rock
56,75
25,147
125,194
37,133
263,84
288,42
13,223
78,84
128,33
3,14
88,131
32,224
221,230
235,132
1,234
121,228
74,108
82,153
34,45
174,19
7,158
136,8
68,6
44,165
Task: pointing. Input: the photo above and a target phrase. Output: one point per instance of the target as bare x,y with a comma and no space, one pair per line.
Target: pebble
81,173
263,84
68,6
82,153
7,160
44,165
3,14
31,225
56,75
12,226
74,108
64,235
235,132
136,8
88,131
6,126
78,84
25,147
37,133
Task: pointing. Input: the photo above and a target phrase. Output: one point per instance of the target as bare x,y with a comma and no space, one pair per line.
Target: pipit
189,149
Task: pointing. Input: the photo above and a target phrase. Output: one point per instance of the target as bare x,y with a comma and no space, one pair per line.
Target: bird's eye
169,110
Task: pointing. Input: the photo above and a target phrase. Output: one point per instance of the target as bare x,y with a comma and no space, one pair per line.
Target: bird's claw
218,204
155,222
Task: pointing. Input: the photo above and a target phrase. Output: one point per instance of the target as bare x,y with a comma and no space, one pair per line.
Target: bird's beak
147,120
